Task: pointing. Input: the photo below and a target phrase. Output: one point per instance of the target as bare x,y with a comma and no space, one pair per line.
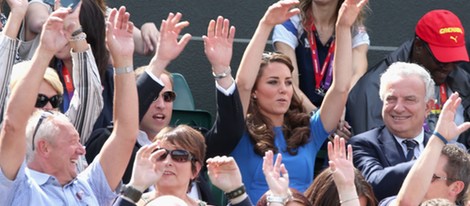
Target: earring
254,96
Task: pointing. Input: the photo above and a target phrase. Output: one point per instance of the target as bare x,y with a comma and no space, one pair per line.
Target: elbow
10,126
242,86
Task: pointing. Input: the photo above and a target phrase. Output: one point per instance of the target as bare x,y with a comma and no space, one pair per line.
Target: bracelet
347,200
440,136
77,32
79,37
236,193
221,75
276,199
124,70
131,193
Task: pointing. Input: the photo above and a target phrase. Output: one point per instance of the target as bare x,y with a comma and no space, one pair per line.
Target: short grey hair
47,129
403,69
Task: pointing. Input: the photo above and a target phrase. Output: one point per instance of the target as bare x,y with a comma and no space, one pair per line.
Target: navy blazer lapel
390,147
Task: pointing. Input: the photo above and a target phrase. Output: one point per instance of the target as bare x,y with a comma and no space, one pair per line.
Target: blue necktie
410,146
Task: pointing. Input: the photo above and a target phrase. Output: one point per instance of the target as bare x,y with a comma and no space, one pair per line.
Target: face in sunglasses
168,96
177,155
42,100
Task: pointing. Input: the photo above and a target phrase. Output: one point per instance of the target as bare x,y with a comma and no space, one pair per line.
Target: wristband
437,134
131,193
236,193
77,32
221,75
276,199
124,70
78,37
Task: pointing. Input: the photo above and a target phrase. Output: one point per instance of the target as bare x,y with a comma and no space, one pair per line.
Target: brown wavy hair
306,16
323,189
296,127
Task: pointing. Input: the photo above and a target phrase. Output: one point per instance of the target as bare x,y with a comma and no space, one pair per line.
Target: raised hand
224,173
150,35
145,173
54,35
119,36
218,44
18,6
349,11
445,124
73,19
169,47
280,12
341,164
276,175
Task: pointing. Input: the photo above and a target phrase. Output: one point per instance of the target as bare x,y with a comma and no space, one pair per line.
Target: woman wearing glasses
184,153
275,118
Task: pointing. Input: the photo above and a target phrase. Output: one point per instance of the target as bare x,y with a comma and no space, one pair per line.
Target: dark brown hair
296,127
296,197
323,190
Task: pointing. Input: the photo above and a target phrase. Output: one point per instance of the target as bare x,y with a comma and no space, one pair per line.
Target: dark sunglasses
437,62
44,115
177,155
168,96
42,100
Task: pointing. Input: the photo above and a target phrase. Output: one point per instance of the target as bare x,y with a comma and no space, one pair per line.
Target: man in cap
438,46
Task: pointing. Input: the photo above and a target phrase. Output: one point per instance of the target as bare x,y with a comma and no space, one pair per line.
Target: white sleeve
360,37
288,32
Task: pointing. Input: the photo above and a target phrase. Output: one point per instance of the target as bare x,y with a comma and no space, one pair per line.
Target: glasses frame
42,100
166,95
435,177
44,115
174,156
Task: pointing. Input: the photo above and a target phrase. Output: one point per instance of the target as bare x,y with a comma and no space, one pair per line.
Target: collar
41,178
142,138
419,138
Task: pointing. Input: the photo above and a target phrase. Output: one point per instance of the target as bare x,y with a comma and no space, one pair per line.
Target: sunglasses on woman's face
42,100
168,96
177,155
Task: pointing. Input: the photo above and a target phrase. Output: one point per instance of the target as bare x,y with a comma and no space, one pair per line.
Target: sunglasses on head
168,96
44,115
42,100
177,155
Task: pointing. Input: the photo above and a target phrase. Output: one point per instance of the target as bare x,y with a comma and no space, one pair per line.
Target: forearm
87,101
419,178
13,24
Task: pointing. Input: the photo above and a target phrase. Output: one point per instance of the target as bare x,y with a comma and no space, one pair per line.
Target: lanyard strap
316,62
68,80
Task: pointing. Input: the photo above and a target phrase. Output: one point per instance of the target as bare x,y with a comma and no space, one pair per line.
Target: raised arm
341,166
419,178
23,97
8,45
87,102
336,96
36,16
117,150
169,47
250,63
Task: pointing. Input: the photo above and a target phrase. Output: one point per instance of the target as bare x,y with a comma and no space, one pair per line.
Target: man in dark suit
385,154
439,46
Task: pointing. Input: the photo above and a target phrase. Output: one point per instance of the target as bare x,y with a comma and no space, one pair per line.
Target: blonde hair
51,76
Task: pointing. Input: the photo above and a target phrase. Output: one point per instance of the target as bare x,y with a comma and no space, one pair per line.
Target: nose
159,103
48,107
399,106
81,150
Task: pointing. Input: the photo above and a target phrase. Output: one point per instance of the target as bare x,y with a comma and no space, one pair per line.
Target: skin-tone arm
419,178
117,150
287,50
22,99
146,38
168,47
218,48
81,45
359,62
224,173
250,63
342,167
336,96
36,16
18,10
276,175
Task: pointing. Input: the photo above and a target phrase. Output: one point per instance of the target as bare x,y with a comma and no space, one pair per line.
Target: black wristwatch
131,193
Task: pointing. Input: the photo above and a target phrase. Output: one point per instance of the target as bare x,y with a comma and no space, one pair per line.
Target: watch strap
131,193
